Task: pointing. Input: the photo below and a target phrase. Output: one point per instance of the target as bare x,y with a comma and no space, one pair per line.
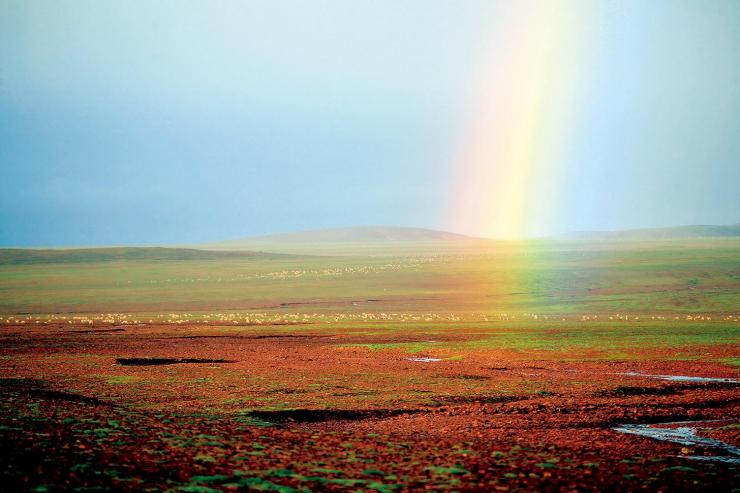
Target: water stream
680,378
685,434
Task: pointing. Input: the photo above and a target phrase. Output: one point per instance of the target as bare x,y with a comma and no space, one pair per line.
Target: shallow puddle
166,361
424,360
685,434
680,378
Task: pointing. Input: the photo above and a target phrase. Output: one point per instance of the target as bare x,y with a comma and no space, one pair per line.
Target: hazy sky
171,122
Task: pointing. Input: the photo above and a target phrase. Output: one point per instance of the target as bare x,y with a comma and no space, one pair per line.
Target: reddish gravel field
204,408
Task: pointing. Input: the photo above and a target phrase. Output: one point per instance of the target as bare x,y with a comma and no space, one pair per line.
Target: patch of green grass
730,361
456,469
121,379
252,421
407,347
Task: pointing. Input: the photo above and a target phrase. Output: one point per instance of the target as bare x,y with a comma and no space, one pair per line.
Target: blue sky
176,122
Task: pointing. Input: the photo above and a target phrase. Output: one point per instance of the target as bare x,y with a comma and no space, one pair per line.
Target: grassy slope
11,256
686,276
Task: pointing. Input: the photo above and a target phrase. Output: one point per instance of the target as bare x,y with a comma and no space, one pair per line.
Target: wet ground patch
683,378
628,390
96,331
167,361
253,337
288,336
324,415
685,433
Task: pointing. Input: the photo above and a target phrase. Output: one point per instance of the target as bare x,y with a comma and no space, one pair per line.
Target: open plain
488,366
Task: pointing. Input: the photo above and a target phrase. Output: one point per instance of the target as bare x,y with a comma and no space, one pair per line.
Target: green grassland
669,277
11,256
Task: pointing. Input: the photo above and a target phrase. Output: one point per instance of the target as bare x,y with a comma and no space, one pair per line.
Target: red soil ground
281,410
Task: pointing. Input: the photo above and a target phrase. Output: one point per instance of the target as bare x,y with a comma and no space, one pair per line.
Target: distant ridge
11,256
363,234
697,231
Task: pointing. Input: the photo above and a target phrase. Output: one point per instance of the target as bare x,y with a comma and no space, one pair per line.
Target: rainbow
513,158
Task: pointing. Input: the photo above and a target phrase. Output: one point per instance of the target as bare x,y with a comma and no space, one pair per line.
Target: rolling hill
366,240
371,240
677,232
363,234
15,256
